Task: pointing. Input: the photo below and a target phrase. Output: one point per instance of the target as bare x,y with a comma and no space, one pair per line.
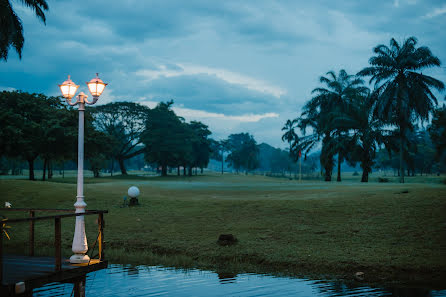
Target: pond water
127,280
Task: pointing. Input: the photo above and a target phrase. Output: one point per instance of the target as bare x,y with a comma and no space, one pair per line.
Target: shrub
383,180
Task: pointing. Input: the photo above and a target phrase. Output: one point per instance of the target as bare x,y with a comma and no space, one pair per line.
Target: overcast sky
237,66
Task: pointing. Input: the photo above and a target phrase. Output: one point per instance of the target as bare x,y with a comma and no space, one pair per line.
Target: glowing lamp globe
68,88
96,86
133,192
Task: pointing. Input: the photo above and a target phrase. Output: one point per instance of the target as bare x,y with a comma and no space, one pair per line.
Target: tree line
38,127
353,122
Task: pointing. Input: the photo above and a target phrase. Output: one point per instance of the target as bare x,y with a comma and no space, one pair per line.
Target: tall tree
161,137
11,25
337,90
404,93
437,131
290,135
243,152
123,122
367,130
201,145
28,114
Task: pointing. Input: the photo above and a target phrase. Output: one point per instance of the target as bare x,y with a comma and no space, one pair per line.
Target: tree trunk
201,170
365,176
178,170
163,170
63,168
184,169
50,169
222,161
189,171
112,167
31,169
401,158
45,162
339,168
122,166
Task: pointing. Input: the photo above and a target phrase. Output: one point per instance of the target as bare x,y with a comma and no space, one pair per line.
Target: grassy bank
387,230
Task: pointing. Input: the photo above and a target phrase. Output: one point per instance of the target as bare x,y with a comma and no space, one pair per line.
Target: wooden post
79,287
58,243
101,236
31,233
1,253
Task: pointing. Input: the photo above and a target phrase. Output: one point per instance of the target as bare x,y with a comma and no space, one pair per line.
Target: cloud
223,74
235,64
436,12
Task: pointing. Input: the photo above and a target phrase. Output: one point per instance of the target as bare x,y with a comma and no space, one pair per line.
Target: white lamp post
69,88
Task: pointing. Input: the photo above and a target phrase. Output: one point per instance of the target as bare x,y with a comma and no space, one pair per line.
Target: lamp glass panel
96,88
65,90
72,90
92,88
100,88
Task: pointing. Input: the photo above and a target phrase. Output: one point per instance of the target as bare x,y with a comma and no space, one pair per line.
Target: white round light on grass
133,192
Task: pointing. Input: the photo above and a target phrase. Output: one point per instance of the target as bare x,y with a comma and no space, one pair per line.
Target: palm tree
290,135
11,25
404,94
367,131
317,115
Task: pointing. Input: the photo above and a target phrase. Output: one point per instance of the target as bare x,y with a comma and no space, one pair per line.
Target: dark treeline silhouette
37,127
352,122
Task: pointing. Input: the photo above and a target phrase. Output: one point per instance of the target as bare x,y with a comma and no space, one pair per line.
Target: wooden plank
40,270
58,243
101,236
89,212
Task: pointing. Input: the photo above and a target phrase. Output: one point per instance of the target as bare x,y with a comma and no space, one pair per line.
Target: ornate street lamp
68,89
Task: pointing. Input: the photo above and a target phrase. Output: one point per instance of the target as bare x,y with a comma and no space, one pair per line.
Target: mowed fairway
390,231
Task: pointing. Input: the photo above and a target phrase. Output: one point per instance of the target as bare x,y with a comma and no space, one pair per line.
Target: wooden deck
38,271
35,271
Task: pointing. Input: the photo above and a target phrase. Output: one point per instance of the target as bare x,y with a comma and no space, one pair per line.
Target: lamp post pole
80,246
68,88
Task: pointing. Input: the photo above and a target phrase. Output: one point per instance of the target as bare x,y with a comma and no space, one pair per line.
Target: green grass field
390,231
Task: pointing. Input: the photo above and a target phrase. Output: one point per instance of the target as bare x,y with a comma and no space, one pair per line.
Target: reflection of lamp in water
68,89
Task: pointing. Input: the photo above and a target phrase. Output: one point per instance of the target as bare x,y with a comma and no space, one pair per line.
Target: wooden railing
57,230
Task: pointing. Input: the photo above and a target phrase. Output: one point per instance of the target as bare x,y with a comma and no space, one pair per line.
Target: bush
355,173
383,180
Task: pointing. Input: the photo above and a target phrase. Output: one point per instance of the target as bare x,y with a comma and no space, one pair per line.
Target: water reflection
226,277
127,280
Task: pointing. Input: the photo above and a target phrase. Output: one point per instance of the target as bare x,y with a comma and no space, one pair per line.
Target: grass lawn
390,231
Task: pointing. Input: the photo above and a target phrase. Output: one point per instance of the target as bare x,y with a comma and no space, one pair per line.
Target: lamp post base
79,259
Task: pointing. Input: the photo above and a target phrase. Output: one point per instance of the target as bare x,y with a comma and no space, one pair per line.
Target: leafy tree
26,115
11,25
97,148
201,145
403,93
124,123
160,137
60,134
243,152
437,132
